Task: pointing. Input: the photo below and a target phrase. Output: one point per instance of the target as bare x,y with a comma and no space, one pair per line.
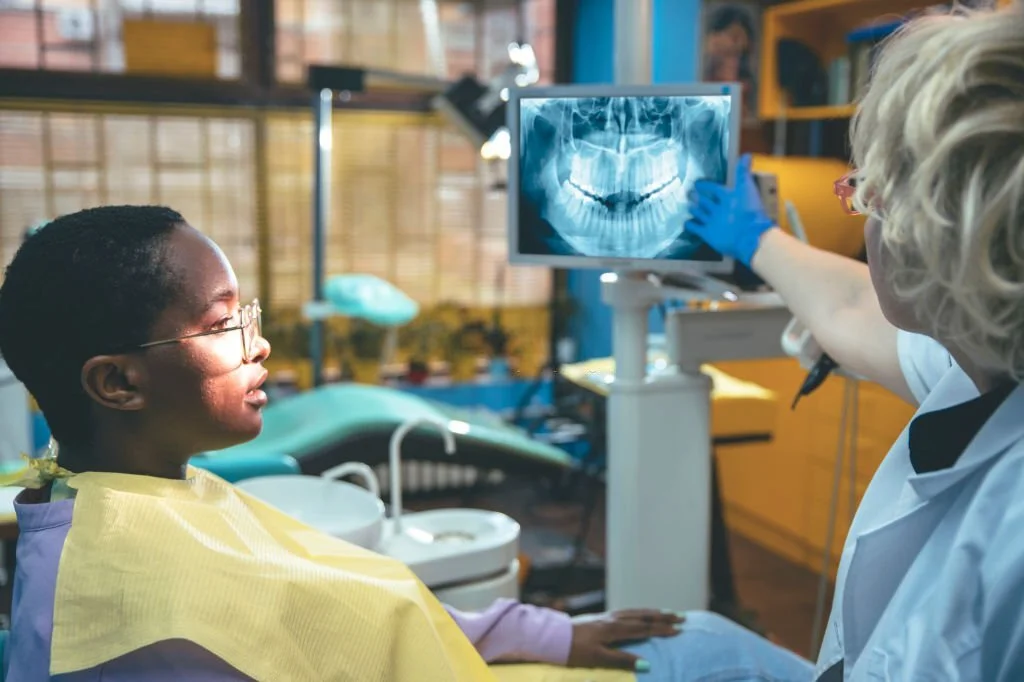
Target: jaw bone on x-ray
610,176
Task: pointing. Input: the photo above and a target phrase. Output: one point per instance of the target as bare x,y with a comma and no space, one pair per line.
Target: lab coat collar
1004,428
937,439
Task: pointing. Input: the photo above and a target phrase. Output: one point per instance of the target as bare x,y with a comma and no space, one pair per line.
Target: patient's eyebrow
221,296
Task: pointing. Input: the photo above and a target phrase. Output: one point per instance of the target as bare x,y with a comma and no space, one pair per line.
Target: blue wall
675,59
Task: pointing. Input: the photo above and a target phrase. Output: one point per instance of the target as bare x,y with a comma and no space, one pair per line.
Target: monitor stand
659,462
660,467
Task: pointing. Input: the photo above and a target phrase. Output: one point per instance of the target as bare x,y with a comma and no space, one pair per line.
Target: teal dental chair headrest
370,298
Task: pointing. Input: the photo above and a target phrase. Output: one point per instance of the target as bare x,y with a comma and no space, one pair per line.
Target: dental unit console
600,176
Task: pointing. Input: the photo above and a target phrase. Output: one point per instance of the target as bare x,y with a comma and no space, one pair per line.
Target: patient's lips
256,397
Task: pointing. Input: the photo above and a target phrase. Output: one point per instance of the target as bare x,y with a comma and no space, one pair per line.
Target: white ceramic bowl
337,508
447,546
481,595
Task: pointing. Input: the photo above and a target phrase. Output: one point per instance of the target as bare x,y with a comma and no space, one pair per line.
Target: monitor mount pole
659,441
323,137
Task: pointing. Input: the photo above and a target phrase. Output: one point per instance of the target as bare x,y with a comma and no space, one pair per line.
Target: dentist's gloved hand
731,220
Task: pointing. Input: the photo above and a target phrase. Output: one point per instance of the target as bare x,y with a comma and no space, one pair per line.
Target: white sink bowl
481,595
445,547
337,508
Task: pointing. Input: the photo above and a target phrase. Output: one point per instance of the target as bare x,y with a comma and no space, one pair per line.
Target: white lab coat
931,580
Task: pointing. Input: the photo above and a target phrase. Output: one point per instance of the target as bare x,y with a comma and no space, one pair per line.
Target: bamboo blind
53,163
410,202
87,35
391,34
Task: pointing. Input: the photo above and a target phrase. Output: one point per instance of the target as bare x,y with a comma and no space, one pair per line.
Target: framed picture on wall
730,47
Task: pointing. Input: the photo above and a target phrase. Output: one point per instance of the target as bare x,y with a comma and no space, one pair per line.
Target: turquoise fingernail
642,666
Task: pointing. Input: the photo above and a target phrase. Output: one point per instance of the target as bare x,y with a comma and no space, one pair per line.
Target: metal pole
633,43
633,48
659,459
323,109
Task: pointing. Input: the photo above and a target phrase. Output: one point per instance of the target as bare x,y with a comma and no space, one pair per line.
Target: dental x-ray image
610,177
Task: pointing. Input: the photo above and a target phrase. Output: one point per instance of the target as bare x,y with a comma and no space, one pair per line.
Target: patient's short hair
87,283
939,143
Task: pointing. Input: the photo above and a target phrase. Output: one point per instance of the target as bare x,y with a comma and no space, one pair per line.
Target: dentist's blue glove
731,220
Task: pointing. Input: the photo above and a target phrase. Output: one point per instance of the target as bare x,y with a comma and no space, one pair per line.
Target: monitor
600,176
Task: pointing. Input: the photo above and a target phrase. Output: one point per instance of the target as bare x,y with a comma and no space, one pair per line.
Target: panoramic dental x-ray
609,177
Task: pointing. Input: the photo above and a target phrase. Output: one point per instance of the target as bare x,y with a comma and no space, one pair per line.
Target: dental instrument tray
601,176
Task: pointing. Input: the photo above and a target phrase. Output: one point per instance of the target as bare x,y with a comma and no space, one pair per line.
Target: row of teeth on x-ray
619,187
610,217
597,174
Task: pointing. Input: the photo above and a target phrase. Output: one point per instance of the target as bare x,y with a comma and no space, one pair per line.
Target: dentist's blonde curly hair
939,143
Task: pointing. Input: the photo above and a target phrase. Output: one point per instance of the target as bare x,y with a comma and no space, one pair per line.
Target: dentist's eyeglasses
250,324
845,188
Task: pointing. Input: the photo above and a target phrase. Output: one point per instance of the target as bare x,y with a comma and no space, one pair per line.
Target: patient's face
199,392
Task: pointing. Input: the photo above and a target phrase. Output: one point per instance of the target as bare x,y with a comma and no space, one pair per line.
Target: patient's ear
114,381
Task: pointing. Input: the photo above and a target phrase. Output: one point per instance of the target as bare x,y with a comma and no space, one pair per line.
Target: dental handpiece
816,377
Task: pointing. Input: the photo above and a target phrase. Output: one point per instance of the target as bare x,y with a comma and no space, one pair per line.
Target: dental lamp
476,109
369,298
479,111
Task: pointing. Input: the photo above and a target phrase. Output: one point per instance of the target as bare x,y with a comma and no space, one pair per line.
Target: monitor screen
601,177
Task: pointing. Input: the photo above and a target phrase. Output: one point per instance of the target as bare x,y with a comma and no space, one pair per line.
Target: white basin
337,508
481,595
444,547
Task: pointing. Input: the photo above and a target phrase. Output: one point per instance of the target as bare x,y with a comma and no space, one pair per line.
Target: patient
126,326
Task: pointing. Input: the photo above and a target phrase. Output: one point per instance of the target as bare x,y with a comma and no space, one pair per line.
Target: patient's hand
594,638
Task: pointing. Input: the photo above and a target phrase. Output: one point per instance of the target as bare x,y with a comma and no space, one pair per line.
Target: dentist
931,580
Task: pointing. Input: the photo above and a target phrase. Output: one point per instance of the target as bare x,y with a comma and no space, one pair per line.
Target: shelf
845,11
818,113
822,26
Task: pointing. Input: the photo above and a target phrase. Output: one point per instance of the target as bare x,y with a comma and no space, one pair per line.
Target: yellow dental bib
148,560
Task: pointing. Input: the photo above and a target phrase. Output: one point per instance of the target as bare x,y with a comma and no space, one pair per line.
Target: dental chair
235,469
339,423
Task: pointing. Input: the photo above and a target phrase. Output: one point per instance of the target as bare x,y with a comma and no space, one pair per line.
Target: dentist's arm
833,296
830,294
